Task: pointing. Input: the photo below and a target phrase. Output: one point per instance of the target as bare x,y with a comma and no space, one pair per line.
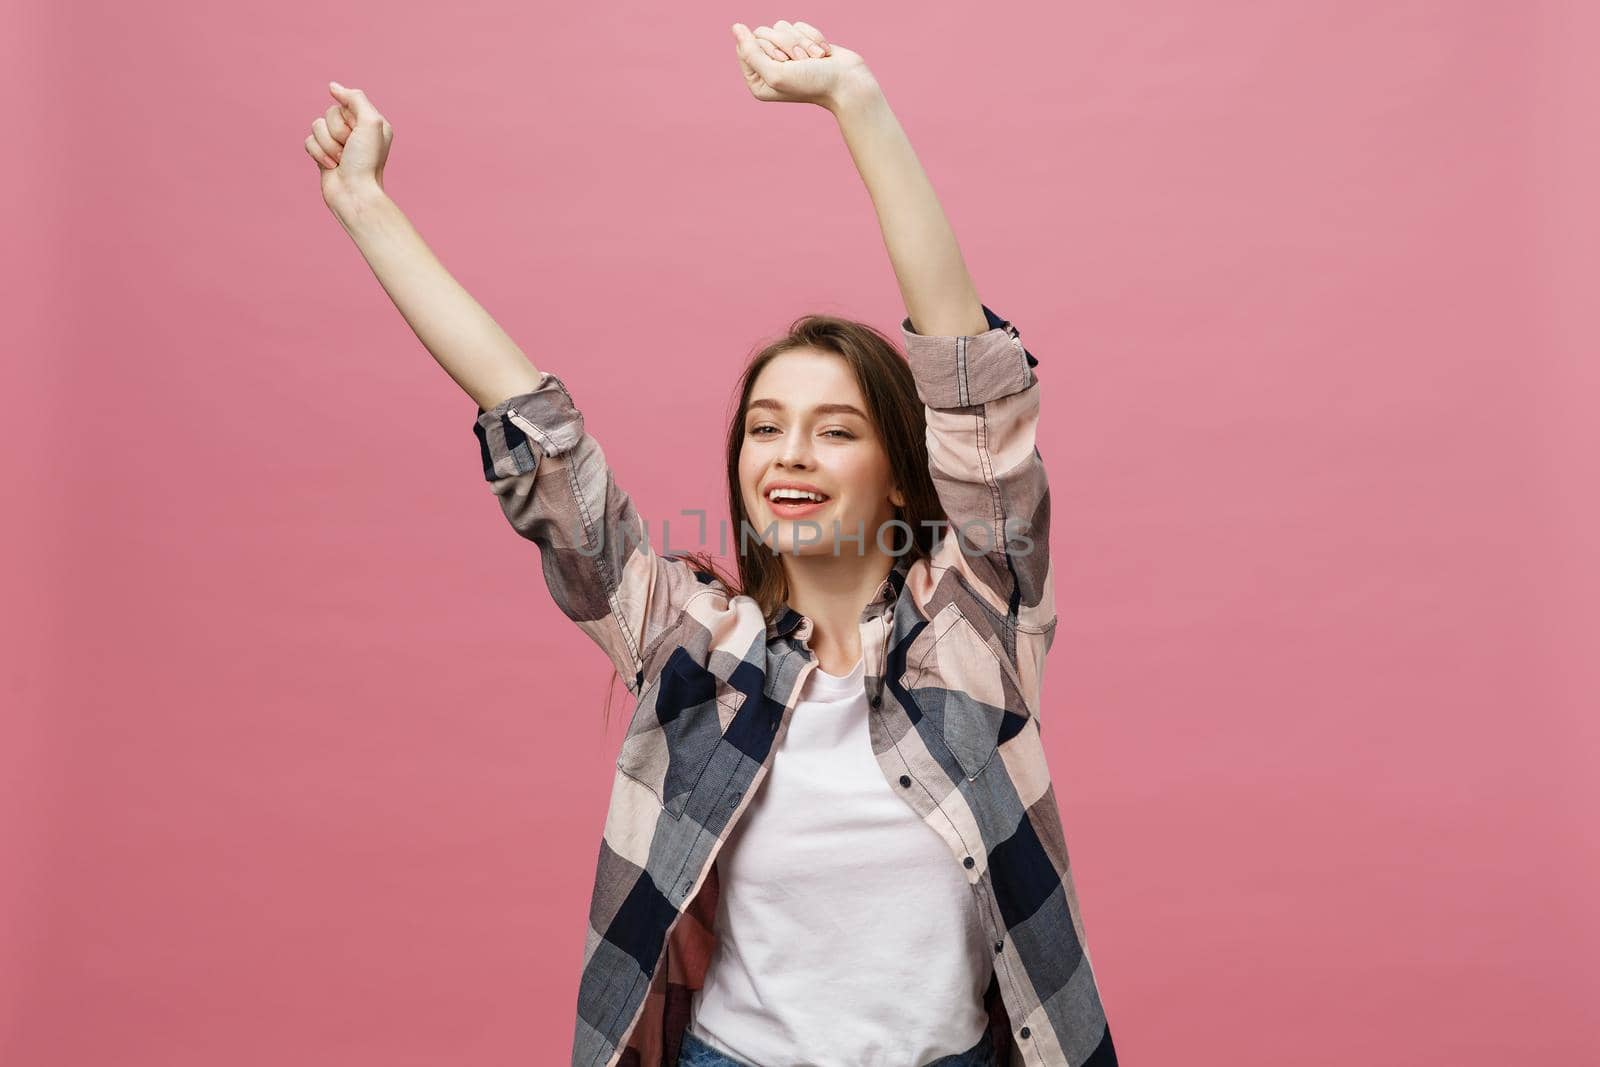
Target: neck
831,591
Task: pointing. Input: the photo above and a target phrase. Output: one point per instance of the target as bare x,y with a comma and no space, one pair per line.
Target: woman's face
806,424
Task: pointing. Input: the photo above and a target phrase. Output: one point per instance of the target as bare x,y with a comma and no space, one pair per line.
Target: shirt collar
786,619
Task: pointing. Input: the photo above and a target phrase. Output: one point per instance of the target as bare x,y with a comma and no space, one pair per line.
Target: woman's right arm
550,475
351,144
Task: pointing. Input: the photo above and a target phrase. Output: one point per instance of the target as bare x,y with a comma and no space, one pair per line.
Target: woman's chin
786,546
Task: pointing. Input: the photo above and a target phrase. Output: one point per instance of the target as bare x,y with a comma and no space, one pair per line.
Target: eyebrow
820,409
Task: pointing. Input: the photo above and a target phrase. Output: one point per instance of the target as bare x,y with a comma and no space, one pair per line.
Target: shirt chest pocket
964,687
676,728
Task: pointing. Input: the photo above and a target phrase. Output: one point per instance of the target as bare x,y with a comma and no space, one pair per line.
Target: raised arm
350,143
974,375
548,473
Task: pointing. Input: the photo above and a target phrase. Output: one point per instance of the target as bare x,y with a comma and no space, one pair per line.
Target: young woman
832,836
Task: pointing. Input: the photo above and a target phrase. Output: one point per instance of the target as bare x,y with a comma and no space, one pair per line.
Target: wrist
352,204
856,91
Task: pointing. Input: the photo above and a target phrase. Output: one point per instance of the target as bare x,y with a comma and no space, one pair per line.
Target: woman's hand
350,142
791,62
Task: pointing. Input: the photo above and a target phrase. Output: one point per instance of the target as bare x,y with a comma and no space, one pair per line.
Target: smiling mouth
789,506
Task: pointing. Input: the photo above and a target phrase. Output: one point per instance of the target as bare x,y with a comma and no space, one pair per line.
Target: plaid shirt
954,651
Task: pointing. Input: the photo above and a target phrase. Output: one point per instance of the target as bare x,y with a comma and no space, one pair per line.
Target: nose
795,452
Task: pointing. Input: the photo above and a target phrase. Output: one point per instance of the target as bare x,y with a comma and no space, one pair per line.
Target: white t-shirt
846,932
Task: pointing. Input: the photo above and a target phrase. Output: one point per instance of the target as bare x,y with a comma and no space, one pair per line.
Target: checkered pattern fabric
954,650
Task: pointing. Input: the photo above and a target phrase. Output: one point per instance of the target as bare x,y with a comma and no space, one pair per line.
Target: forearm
939,295
452,326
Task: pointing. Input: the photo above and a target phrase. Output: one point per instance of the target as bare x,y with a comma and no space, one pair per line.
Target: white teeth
794,494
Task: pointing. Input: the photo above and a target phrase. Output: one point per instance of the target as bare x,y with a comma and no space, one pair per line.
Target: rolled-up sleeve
982,407
557,490
547,414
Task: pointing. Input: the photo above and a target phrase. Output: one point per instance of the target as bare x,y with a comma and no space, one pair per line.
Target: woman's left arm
794,63
938,292
972,372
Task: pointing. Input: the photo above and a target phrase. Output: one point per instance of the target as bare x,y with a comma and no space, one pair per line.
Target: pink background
300,765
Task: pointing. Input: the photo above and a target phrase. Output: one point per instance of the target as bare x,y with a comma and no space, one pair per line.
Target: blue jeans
696,1053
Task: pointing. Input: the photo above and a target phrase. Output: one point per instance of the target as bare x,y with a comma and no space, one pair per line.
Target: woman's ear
896,497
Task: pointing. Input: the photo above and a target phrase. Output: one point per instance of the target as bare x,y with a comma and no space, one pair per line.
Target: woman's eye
756,431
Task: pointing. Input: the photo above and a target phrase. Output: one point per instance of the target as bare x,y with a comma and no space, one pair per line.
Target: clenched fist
791,62
350,142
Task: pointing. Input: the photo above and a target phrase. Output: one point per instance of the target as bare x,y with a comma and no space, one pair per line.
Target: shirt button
905,779
999,947
969,862
1025,1032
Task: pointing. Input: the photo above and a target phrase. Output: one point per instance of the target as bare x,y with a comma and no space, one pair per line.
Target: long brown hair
896,413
